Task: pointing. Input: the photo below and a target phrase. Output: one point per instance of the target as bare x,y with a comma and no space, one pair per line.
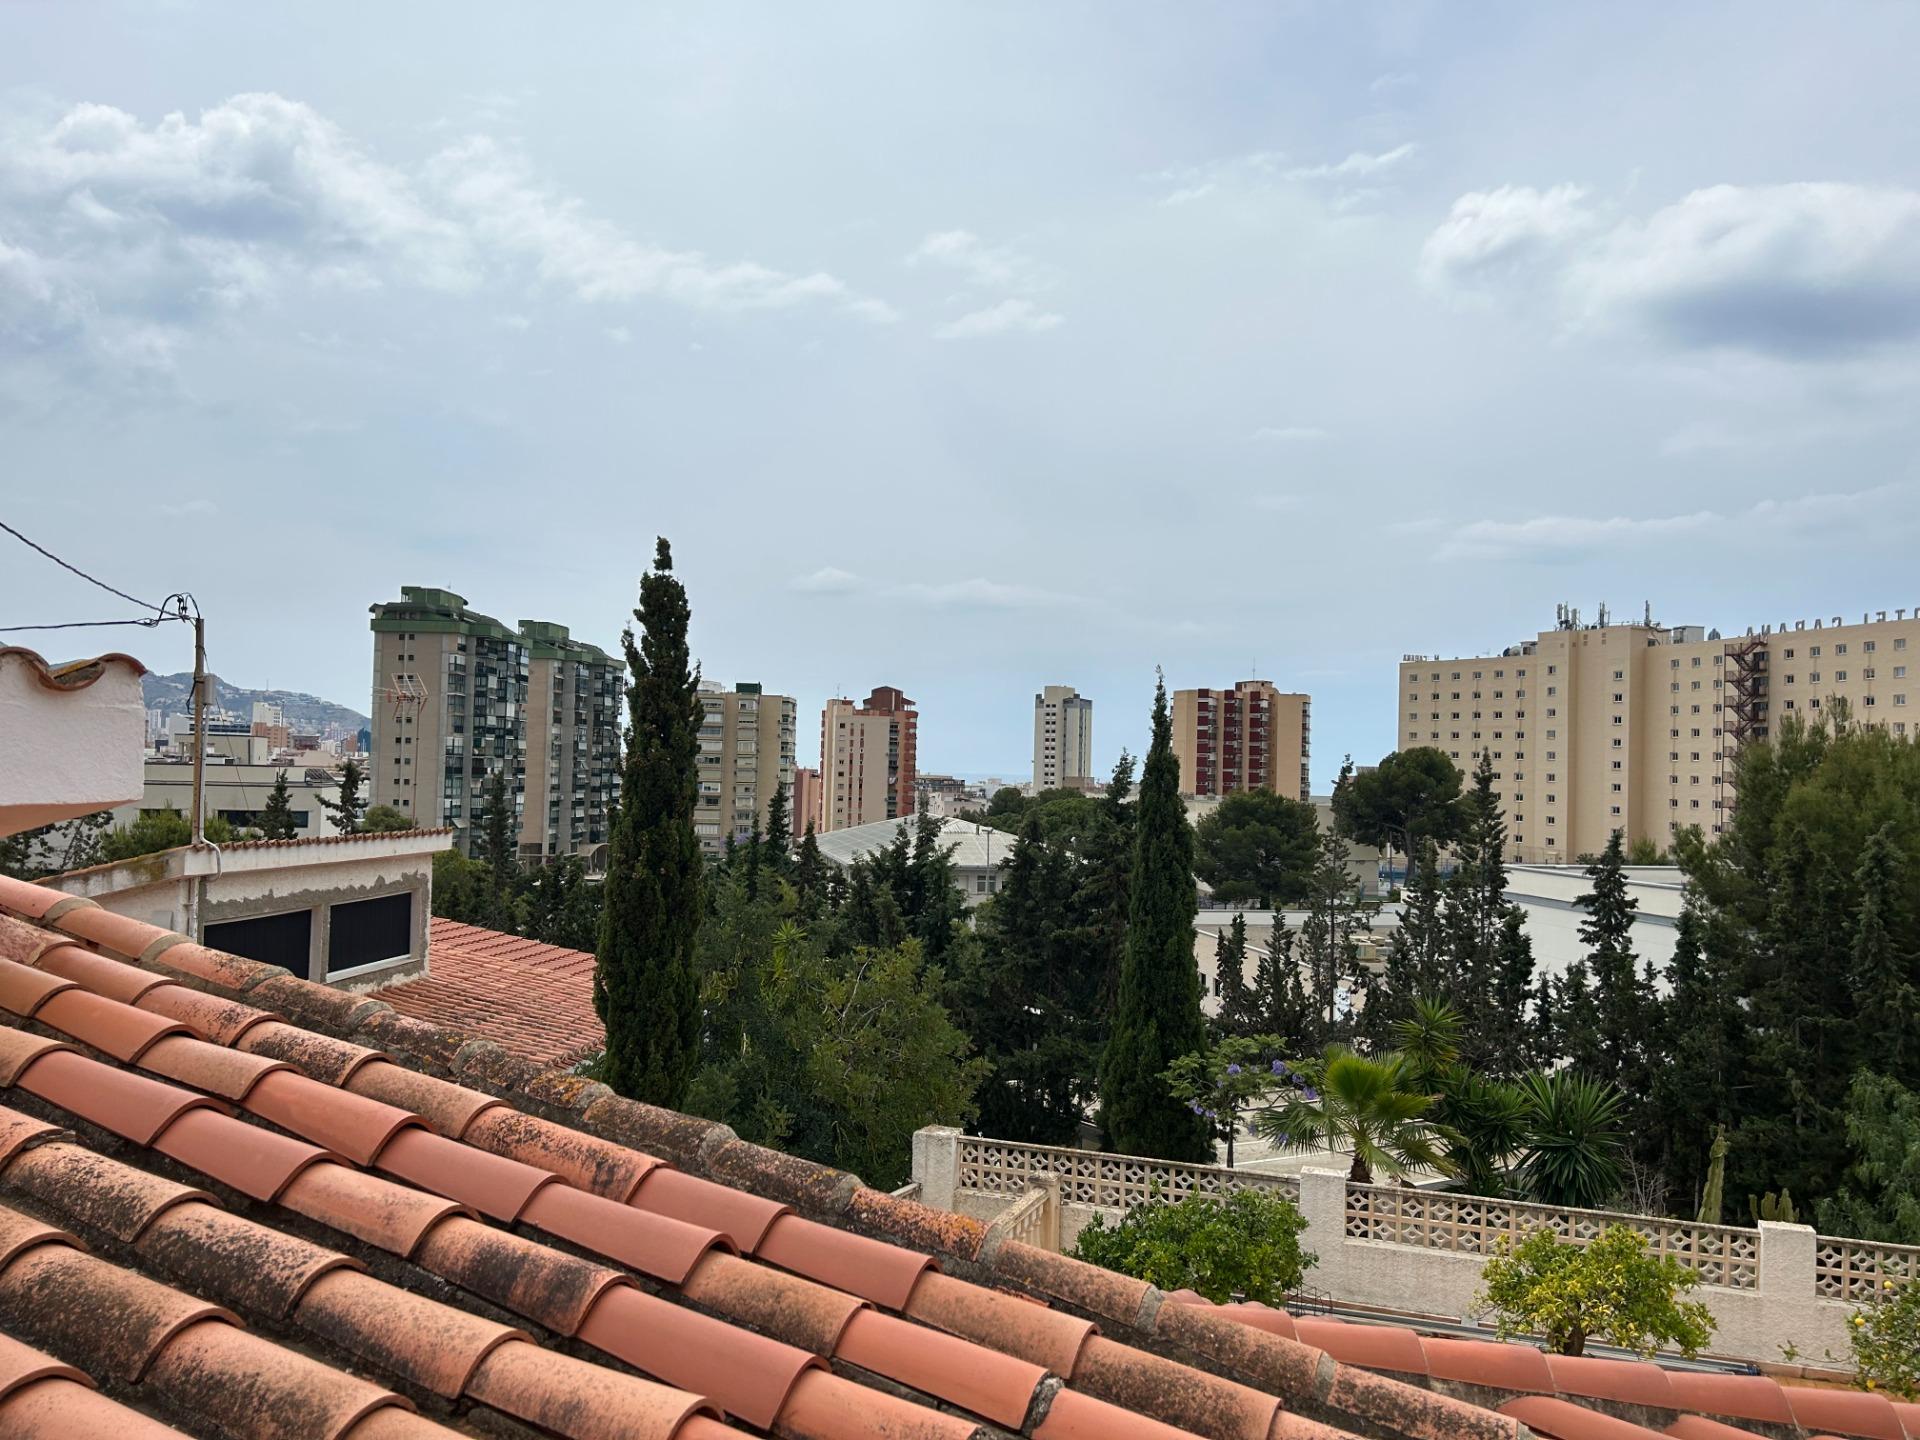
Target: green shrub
1886,1342
1610,1290
1243,1244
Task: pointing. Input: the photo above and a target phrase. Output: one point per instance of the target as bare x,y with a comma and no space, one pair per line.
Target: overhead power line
90,579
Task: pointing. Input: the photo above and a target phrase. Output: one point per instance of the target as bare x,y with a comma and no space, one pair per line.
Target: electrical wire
91,580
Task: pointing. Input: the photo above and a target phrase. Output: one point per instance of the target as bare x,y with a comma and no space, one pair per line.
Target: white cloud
1386,84
828,580
1495,237
1196,182
975,593
1355,166
1008,317
1291,432
1565,537
187,509
993,267
123,237
1797,272
507,210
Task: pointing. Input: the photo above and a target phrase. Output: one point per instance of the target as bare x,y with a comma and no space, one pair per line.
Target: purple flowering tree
1237,1076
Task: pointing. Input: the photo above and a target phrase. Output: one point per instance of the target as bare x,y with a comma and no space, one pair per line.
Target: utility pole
199,730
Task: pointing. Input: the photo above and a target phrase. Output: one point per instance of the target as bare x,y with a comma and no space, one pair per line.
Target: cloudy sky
964,348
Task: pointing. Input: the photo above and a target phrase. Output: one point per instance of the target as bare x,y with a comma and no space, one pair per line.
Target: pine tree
644,986
1230,977
809,875
1697,1035
1417,956
750,872
779,839
351,807
1510,1045
1476,922
1279,1001
1327,952
276,819
1158,1019
497,849
1621,999
1579,1020
1885,965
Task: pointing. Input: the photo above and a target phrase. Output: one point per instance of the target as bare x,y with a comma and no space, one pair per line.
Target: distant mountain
169,695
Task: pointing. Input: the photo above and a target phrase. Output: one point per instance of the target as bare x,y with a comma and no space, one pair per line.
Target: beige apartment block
746,755
1062,739
868,759
1634,727
458,695
1252,737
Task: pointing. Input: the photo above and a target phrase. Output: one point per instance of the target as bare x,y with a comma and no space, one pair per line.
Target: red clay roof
535,1000
309,1214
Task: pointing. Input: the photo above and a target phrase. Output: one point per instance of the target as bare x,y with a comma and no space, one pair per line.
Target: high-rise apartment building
1252,737
458,695
1595,728
868,759
746,754
1062,738
804,804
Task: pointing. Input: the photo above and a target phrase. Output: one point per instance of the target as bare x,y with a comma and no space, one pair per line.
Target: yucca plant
1573,1139
1365,1107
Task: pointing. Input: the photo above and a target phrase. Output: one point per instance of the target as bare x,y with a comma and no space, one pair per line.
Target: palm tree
1429,1038
1484,1121
1366,1107
1574,1141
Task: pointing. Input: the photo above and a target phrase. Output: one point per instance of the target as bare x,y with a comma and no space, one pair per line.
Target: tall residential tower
868,759
746,753
1062,739
458,695
1252,737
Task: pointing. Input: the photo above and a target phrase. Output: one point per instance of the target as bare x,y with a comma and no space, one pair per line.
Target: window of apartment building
1813,678
1839,676
1616,787
1900,643
1619,674
1619,719
1900,699
1616,742
1614,808
1841,648
1814,650
1869,699
1616,764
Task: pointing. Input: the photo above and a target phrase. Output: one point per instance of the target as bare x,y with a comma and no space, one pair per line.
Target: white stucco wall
67,752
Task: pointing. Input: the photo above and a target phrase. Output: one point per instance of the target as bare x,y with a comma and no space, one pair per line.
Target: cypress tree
810,875
1158,1019
351,807
779,838
644,986
1280,1003
1510,1048
1621,999
276,820
497,853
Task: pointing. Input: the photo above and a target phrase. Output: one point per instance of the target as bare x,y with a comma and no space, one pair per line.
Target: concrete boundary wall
1773,1289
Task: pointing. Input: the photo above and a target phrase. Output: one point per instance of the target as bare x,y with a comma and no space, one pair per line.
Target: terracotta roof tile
388,1216
57,1408
209,1016
996,1386
1563,1420
425,1343
535,1000
547,1286
27,900
339,1120
98,1193
23,1365
67,675
1004,1322
20,1233
447,1107
131,1106
78,1305
230,1074
106,1025
250,1267
799,1312
1847,1412
744,1219
871,1269
749,1337
252,1160
245,1385
655,1245
576,1157
330,1061
571,1397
